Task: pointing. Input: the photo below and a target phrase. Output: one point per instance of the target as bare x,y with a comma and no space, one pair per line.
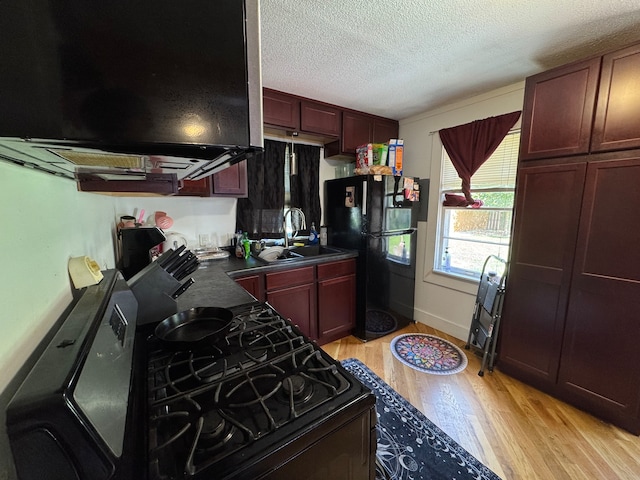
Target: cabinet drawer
336,269
288,278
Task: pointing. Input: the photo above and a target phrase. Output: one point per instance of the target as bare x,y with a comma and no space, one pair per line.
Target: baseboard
458,331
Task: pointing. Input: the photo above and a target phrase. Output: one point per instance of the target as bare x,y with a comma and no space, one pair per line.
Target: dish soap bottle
239,246
446,261
313,234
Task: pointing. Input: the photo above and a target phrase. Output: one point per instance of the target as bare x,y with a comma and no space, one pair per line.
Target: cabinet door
195,188
558,111
617,122
299,305
231,182
280,109
384,130
357,129
600,364
293,294
254,284
336,308
319,118
546,224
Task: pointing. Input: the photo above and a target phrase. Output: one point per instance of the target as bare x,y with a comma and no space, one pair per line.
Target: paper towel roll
84,271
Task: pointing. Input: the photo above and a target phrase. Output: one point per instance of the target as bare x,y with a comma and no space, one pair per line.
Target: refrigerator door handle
394,233
364,197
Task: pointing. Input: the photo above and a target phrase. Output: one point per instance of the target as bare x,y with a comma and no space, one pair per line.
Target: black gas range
110,400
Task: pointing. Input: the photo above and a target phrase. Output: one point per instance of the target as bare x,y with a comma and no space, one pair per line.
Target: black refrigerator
377,215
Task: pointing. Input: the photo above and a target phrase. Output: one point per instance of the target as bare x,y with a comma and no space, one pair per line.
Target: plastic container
246,245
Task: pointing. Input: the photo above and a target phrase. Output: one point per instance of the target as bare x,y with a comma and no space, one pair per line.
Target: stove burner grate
207,405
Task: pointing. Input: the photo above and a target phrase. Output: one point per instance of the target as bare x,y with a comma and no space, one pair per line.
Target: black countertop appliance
135,248
377,215
108,400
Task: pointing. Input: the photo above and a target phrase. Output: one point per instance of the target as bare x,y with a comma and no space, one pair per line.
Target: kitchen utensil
169,256
182,288
174,263
189,262
141,217
163,221
190,328
189,271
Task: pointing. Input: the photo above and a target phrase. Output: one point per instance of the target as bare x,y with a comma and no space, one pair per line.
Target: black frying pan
190,328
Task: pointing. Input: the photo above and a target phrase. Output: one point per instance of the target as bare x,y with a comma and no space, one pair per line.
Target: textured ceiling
396,58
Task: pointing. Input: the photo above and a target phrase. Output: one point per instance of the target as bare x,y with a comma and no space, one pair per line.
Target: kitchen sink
292,254
314,250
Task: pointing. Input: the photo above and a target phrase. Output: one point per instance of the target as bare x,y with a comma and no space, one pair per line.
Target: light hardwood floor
516,430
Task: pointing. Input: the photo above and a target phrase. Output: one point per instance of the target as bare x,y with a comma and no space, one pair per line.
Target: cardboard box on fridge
370,154
396,152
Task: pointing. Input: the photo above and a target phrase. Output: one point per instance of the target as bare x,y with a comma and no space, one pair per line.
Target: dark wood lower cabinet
254,284
600,363
547,211
347,453
570,321
298,305
319,299
293,294
336,300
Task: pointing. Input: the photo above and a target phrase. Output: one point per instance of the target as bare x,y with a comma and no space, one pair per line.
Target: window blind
499,171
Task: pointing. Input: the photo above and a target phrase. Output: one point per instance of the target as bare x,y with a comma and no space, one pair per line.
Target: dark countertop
214,285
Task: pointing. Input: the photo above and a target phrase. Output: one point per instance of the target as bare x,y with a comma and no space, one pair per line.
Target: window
467,236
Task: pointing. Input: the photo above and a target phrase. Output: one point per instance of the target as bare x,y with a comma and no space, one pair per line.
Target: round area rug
428,353
379,322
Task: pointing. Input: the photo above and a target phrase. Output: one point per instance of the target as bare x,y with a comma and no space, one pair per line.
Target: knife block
152,287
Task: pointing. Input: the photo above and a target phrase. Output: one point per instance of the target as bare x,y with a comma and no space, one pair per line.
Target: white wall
441,301
44,221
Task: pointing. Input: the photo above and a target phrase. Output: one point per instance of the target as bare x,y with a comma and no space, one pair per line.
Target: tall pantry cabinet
571,317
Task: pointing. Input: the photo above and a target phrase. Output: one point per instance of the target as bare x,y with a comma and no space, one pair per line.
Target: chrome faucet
303,224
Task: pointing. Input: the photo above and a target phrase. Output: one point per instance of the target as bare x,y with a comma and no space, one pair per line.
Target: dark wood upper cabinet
230,182
559,105
357,129
384,129
360,128
617,121
342,130
280,109
320,118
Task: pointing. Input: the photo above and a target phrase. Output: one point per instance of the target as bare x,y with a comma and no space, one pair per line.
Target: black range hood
130,90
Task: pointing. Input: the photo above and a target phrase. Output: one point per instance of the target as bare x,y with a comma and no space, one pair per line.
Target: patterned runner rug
410,446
